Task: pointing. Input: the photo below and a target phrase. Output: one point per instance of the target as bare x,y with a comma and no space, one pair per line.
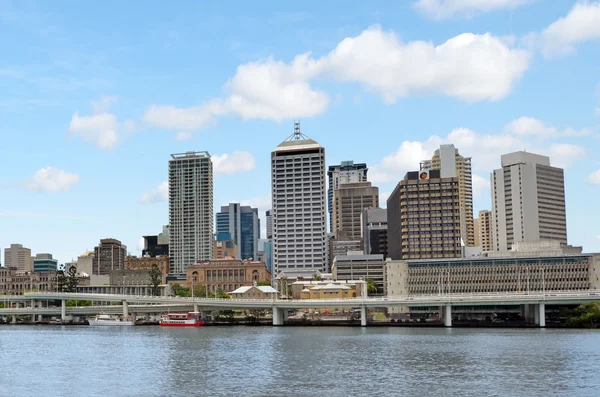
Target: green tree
222,294
586,315
254,316
155,280
61,281
200,291
71,280
72,303
371,287
316,277
263,284
227,315
178,290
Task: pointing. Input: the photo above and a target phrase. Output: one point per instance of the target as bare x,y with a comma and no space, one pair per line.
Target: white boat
105,319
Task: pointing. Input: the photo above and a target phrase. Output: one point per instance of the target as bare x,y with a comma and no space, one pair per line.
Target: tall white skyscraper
298,193
191,217
528,201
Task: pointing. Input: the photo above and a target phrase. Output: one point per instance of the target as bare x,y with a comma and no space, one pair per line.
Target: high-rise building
452,164
528,201
349,202
423,215
109,255
483,229
44,263
158,245
191,212
269,220
374,231
346,172
18,256
298,196
225,246
243,224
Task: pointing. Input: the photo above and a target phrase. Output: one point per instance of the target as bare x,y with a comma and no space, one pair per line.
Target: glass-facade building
243,225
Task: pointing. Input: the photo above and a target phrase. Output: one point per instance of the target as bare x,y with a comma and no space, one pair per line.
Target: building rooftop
179,156
267,289
297,141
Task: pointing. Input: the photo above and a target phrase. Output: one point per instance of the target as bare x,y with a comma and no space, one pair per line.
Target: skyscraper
528,201
243,224
109,255
423,215
374,231
483,231
18,256
269,219
452,164
191,216
298,196
347,172
349,201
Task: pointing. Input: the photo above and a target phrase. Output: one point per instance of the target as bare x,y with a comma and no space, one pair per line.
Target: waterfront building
354,288
328,291
44,263
528,201
269,220
18,257
423,214
451,164
358,266
515,274
243,224
191,210
145,263
157,245
346,172
298,196
483,230
225,247
109,255
226,274
374,231
254,292
14,281
349,202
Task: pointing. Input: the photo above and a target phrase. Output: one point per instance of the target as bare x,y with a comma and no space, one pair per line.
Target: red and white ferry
191,319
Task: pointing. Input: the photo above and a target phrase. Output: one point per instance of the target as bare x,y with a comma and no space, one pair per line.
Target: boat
191,319
105,319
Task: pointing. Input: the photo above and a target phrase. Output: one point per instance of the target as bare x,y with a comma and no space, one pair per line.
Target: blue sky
95,96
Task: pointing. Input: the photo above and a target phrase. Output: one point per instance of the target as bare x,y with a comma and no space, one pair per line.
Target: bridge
533,303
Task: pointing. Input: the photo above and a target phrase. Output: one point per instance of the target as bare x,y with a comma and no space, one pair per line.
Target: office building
374,231
298,196
269,220
452,164
109,255
483,230
44,263
18,257
528,201
349,202
358,266
243,224
191,212
265,250
346,172
423,214
225,247
157,245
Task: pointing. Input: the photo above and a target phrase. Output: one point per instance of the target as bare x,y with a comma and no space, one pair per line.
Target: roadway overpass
533,302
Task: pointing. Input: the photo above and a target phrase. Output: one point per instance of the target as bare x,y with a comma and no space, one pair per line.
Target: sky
95,96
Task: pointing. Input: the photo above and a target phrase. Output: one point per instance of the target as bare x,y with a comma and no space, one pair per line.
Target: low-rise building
254,292
354,287
15,282
146,263
357,266
227,274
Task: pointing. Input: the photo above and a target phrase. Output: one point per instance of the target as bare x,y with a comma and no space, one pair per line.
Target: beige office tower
298,195
191,211
483,230
528,201
350,200
452,165
18,256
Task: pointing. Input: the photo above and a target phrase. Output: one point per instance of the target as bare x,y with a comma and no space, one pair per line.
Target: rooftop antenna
297,135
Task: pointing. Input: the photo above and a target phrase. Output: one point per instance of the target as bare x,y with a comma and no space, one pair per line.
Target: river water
297,361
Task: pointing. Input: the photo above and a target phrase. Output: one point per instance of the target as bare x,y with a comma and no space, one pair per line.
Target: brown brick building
227,274
145,263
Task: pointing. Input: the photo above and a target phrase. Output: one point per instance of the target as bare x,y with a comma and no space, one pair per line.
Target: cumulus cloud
238,161
471,67
530,126
444,9
581,24
51,179
594,177
563,155
156,195
480,184
183,136
101,128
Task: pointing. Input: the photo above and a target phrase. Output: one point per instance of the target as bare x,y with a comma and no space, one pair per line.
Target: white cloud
594,177
581,24
443,9
129,126
563,155
470,67
158,194
103,104
183,136
530,126
238,161
51,179
480,184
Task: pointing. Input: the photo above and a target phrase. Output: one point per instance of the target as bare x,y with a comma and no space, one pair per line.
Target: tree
263,284
72,303
316,277
200,291
586,315
61,281
371,287
178,290
222,294
254,316
71,280
155,280
227,315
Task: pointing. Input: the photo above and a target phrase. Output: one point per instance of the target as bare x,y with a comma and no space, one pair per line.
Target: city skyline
88,135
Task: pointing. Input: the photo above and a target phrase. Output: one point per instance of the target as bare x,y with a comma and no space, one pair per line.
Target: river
297,361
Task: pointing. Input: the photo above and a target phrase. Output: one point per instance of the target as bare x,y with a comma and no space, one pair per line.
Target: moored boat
191,319
105,319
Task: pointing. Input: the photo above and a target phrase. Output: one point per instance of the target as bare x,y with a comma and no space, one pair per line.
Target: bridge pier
195,308
277,316
14,319
448,316
363,316
542,315
125,309
536,314
40,306
63,309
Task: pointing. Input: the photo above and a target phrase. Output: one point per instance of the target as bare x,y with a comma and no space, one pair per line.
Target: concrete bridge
533,303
